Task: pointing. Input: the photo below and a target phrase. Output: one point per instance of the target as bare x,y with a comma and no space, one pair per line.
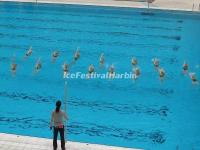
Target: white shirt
58,118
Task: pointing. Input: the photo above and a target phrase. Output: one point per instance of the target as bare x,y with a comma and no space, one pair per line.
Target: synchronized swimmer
38,65
65,69
55,55
193,78
111,69
161,71
28,52
101,60
13,66
76,55
161,74
91,69
134,61
156,63
185,67
136,73
136,70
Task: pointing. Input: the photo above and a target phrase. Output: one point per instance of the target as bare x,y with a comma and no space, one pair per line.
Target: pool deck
184,5
18,142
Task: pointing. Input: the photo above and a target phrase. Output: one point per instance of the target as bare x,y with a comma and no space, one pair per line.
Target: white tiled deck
17,142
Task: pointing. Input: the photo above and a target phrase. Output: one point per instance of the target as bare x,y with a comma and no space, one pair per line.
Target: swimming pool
142,114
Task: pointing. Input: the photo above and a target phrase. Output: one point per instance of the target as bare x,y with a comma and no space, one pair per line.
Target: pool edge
139,5
35,143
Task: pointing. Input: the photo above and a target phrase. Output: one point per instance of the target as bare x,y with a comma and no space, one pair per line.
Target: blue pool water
143,114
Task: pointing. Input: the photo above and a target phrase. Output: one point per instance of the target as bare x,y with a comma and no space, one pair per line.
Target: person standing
58,117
